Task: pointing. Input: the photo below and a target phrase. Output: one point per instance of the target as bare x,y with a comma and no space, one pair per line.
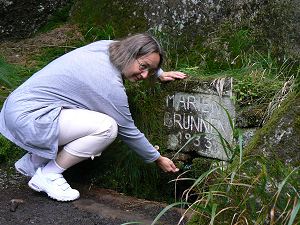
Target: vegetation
252,189
246,193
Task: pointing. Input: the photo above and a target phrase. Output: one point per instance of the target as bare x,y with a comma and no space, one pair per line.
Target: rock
14,203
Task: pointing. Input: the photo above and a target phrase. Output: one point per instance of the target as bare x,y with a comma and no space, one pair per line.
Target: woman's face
142,68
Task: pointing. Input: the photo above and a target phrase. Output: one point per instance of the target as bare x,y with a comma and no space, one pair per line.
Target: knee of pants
104,133
111,134
111,128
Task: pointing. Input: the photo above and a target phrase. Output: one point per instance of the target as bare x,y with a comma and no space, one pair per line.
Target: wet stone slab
196,117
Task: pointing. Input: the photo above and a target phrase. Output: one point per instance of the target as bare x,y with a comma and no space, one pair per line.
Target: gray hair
125,51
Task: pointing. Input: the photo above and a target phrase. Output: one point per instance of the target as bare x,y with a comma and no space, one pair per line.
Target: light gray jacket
83,78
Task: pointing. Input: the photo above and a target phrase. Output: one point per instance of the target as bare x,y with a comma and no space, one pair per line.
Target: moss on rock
124,17
279,138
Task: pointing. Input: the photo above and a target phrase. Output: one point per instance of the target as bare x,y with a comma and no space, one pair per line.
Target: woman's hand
172,75
166,164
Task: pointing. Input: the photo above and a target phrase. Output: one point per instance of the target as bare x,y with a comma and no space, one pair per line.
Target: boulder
22,18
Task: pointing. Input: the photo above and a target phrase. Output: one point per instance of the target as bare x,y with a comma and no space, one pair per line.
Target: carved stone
197,119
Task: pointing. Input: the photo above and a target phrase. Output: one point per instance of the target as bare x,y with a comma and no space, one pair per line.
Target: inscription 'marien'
189,103
200,104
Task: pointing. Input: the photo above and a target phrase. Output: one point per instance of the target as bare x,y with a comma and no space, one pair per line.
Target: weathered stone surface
20,19
200,17
196,118
279,138
191,19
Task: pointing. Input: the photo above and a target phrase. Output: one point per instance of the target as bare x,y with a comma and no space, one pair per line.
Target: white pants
85,133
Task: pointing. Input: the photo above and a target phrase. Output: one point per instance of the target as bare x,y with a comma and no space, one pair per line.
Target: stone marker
193,118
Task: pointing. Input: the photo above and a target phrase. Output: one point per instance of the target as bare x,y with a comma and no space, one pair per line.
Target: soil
22,206
20,52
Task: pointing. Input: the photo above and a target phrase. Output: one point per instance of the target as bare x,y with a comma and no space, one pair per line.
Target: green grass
11,76
247,193
9,152
103,33
98,17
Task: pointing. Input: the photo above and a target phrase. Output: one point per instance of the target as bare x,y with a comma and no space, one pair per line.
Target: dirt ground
22,206
21,51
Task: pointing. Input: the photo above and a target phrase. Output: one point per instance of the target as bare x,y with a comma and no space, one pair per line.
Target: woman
73,108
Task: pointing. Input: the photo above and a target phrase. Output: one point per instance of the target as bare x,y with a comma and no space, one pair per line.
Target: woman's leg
83,134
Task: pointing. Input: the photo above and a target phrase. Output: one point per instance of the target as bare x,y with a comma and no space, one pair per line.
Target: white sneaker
54,185
25,166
